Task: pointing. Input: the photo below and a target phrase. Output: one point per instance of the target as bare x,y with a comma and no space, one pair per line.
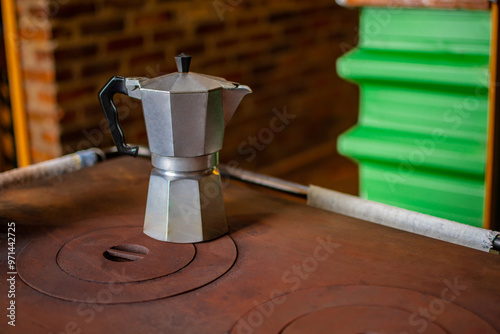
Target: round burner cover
357,319
359,309
119,264
95,256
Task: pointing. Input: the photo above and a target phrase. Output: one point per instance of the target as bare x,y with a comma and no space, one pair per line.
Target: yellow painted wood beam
491,120
16,89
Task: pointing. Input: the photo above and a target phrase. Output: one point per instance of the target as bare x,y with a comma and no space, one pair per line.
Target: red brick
280,48
123,43
214,62
100,67
38,12
210,28
47,98
42,117
75,93
61,32
261,38
68,117
296,88
307,41
41,156
94,107
153,19
34,34
63,74
266,68
169,35
341,37
248,55
282,16
147,59
43,55
99,27
51,138
41,76
236,76
74,53
128,4
191,49
294,30
72,9
73,136
247,22
227,42
312,69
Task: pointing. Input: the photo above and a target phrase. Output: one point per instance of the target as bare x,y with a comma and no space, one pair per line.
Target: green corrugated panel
421,135
459,198
425,30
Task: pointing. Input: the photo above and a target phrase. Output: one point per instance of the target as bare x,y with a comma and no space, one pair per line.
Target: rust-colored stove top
84,266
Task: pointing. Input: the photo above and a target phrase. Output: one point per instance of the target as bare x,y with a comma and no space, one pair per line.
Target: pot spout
231,99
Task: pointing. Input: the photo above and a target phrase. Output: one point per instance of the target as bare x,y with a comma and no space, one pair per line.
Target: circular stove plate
358,319
359,309
85,256
71,264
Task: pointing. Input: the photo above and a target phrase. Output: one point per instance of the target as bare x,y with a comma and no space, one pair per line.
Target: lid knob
183,61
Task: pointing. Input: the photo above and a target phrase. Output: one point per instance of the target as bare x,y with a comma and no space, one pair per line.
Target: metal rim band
191,164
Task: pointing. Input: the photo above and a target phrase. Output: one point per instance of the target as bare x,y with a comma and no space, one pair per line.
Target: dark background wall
284,50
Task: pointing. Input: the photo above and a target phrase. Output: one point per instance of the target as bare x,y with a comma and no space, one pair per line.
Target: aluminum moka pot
185,116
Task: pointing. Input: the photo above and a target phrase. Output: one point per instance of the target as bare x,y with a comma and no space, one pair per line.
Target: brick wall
7,153
36,52
284,50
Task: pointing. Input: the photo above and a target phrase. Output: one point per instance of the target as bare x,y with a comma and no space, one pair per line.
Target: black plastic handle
115,85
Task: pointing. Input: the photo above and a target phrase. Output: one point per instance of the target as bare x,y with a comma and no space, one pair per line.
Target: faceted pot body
183,124
185,208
